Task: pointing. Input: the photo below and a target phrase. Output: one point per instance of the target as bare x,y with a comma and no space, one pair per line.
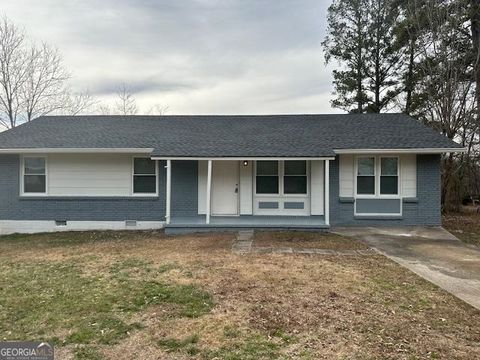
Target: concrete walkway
432,253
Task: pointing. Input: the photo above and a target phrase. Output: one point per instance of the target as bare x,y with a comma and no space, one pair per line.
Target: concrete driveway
432,253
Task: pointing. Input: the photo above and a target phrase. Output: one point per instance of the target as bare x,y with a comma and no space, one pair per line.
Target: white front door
225,187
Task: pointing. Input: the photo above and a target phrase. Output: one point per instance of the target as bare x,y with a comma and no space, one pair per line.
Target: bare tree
14,64
126,103
444,97
158,109
43,90
79,103
32,78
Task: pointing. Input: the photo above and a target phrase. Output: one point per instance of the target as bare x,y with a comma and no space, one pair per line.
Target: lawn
464,225
143,295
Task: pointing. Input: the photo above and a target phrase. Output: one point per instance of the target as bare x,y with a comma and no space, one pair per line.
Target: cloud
197,56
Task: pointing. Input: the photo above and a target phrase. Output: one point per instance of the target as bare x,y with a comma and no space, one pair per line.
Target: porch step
243,242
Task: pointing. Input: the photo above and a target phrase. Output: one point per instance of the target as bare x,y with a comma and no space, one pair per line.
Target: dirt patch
306,240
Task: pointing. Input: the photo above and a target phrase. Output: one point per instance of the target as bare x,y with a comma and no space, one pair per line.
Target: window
267,177
295,177
389,176
34,175
366,176
144,176
282,177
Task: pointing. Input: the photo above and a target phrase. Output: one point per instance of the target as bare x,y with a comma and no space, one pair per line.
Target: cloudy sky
196,56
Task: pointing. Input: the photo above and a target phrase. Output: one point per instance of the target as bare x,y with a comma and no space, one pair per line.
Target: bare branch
126,103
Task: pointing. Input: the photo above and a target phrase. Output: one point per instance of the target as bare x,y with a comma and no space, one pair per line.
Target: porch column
209,188
327,192
169,191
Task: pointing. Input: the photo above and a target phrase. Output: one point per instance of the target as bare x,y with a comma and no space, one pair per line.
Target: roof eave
77,151
401,151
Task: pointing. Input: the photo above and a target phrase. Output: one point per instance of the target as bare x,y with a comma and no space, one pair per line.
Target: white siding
246,189
317,181
346,175
89,175
202,187
409,175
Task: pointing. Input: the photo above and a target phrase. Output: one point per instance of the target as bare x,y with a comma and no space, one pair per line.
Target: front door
225,187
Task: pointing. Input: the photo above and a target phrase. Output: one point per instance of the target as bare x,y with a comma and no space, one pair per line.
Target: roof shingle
229,135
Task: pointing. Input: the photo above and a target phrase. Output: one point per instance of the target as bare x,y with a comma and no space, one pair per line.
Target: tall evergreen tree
383,61
360,37
346,42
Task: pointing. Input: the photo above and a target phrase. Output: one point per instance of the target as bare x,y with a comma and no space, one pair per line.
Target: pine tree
346,43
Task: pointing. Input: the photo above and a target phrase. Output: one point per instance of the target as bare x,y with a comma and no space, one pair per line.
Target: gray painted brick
425,211
14,207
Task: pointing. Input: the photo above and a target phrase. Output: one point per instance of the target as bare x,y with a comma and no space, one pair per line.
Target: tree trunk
475,25
409,80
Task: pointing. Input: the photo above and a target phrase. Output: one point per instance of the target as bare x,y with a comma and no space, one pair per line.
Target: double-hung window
377,176
267,177
144,176
34,175
366,176
389,176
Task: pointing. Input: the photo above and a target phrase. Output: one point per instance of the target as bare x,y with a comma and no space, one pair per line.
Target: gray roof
228,136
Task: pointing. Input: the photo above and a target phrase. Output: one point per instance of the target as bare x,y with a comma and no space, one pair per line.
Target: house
192,173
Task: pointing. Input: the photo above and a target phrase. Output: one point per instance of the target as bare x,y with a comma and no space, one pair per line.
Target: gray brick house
215,172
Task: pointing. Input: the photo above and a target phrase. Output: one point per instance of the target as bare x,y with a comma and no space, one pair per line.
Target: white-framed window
295,177
34,175
377,176
145,176
389,176
267,177
289,177
366,175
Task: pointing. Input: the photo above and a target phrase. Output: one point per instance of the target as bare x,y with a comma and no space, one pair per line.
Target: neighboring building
200,172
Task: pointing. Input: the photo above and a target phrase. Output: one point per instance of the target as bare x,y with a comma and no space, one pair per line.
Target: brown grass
306,240
278,306
464,225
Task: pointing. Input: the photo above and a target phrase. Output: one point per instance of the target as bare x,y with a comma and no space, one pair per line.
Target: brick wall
14,207
426,211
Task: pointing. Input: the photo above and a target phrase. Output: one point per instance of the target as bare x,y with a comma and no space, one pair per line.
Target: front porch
236,194
249,221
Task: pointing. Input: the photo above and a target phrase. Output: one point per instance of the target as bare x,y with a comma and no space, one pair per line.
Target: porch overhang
249,158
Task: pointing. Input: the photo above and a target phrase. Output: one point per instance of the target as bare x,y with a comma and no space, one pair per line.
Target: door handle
236,189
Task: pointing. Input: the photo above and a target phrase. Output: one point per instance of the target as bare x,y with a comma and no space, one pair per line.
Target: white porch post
169,191
327,192
209,188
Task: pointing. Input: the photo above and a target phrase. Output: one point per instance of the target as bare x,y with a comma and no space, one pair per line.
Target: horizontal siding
409,175
89,175
346,172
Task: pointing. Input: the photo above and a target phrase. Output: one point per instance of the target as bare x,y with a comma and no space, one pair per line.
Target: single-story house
193,173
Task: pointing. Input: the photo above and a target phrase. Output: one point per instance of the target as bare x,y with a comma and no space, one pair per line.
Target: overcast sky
196,56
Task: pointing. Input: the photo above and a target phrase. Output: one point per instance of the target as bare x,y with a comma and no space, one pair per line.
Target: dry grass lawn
190,297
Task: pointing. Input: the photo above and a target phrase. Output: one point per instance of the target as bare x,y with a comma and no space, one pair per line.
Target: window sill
346,200
378,217
412,200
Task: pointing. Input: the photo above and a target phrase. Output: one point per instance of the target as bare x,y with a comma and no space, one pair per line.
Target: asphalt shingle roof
228,136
